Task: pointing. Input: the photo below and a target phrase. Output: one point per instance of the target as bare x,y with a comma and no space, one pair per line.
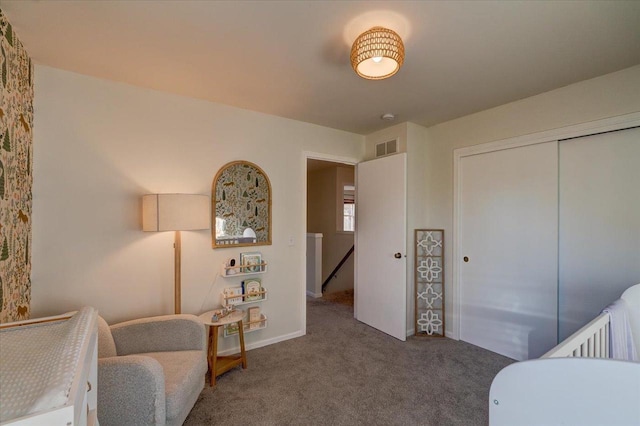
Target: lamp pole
177,246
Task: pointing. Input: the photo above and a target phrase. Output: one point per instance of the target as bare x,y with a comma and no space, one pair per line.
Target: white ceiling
291,58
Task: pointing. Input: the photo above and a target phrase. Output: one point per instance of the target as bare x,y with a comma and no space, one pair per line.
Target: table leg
242,351
214,358
209,347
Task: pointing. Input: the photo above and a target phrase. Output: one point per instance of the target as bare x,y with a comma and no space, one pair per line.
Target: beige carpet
343,372
342,297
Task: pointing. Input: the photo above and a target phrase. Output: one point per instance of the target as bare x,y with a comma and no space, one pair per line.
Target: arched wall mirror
241,210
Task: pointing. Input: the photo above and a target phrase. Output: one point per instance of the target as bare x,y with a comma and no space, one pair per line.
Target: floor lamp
175,212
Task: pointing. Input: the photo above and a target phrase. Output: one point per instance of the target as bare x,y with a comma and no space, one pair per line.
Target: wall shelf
251,291
261,269
232,329
262,294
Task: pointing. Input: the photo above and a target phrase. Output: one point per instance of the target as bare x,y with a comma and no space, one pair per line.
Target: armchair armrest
159,334
131,391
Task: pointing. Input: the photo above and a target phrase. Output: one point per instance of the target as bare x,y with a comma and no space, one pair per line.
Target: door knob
397,255
466,259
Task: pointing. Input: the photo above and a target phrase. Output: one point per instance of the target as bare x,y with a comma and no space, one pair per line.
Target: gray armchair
150,371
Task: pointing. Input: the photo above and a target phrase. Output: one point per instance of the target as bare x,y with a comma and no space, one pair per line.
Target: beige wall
323,199
606,96
100,145
416,206
398,131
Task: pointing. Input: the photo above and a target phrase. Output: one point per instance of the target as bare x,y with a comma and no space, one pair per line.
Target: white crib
593,340
575,383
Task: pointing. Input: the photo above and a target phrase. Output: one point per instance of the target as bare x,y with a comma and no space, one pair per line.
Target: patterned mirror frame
429,282
241,190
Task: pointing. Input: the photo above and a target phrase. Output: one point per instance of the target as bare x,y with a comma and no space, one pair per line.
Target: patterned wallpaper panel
16,149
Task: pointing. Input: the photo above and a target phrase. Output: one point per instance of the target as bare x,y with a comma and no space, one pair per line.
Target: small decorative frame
251,262
429,282
233,291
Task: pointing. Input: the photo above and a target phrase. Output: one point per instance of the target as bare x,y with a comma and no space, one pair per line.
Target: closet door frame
578,130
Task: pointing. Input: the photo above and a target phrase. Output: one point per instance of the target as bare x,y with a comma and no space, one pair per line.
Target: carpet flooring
344,297
346,373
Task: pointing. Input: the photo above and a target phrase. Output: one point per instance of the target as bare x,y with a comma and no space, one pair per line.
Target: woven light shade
377,53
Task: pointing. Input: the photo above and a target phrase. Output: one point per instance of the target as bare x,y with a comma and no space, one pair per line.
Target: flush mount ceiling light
377,53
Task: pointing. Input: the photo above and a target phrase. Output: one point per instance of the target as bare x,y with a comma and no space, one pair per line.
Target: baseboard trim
265,342
312,294
447,333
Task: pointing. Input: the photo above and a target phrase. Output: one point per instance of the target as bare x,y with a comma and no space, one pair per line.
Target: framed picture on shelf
252,288
251,262
254,318
231,328
233,291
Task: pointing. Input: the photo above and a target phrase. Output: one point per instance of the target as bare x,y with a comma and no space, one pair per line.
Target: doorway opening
330,232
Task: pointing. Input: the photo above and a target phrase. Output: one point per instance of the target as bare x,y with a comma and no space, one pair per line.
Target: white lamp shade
175,212
377,69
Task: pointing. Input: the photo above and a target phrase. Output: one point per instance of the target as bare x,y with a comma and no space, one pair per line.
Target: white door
599,224
381,241
508,238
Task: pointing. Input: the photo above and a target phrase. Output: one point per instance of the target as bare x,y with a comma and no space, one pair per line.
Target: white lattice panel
429,282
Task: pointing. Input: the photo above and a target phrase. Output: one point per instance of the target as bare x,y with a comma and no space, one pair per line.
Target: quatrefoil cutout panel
430,323
429,282
430,269
430,243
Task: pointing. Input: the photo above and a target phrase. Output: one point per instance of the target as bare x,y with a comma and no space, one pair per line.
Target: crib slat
606,339
592,340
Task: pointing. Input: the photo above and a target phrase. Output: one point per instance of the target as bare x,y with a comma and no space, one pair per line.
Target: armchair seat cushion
184,371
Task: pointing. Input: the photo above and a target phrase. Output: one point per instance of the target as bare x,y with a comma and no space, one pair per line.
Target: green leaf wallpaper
16,144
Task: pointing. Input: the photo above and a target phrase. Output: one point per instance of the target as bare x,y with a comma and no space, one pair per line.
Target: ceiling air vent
386,148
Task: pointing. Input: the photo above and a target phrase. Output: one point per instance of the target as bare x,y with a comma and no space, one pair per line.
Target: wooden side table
221,364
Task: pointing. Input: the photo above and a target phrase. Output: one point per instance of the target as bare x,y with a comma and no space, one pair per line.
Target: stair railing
337,268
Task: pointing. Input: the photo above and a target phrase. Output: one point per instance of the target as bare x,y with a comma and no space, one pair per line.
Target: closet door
508,224
599,224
